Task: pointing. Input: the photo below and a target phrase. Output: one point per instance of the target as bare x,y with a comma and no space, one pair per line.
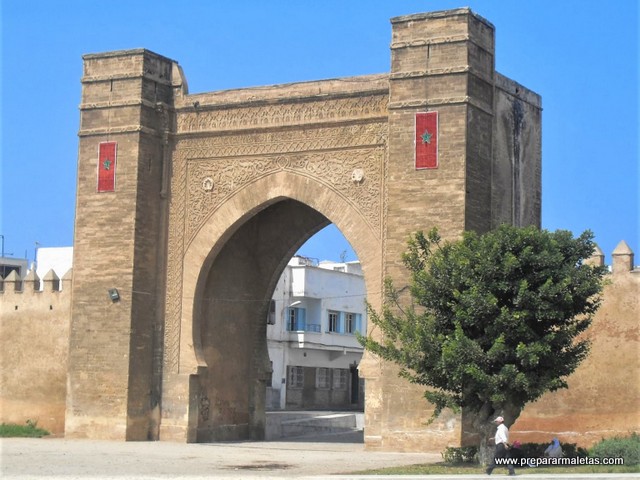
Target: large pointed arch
229,273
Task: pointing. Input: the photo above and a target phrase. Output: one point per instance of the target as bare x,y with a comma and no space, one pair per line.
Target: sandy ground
71,459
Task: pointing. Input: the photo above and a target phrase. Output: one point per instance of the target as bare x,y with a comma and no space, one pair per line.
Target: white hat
499,419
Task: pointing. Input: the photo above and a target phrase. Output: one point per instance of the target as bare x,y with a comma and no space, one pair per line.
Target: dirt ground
71,459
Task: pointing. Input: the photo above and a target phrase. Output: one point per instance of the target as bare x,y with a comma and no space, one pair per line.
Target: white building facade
315,313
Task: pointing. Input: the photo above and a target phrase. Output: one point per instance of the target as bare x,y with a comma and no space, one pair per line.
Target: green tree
494,320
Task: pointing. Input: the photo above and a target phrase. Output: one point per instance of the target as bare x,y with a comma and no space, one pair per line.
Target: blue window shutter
359,323
302,324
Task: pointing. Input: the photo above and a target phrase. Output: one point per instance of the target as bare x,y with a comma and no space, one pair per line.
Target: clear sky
581,56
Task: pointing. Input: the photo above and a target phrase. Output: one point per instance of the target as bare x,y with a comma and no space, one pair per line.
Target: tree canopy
494,320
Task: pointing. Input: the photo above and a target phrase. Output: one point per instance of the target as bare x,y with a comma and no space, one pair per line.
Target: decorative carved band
175,253
431,71
278,115
284,141
125,76
423,42
211,182
122,103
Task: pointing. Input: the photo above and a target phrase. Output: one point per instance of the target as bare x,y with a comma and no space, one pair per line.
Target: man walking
502,446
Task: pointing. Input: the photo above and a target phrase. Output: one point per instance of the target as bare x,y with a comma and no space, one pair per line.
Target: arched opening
316,310
229,272
231,311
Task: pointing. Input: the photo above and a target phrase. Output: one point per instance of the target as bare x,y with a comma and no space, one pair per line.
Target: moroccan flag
426,140
107,167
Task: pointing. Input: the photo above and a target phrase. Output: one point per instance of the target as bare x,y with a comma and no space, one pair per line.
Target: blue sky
580,56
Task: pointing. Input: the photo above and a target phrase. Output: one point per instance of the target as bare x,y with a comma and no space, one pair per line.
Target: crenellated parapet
32,283
32,294
622,259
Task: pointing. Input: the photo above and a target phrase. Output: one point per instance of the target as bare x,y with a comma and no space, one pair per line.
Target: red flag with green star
426,140
107,167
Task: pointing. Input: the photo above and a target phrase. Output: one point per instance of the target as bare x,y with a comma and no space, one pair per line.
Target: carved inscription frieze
284,141
282,114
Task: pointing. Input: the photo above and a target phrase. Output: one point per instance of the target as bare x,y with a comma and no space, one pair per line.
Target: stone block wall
603,398
34,346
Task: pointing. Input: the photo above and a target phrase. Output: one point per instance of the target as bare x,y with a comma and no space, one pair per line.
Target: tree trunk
486,447
484,428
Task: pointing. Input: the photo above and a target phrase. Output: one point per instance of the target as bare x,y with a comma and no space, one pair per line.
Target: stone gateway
209,195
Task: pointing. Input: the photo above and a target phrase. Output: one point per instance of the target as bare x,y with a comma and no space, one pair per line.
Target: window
350,323
333,322
340,377
295,319
296,377
322,378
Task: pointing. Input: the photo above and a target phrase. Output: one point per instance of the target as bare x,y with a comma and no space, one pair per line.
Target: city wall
603,398
34,346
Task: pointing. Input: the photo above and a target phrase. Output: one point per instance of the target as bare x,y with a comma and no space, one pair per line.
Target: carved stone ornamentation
328,154
335,170
207,184
228,117
357,176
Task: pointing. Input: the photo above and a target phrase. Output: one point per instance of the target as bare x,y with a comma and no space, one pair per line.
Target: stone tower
119,246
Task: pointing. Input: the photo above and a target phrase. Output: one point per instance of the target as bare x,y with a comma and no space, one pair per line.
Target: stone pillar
119,245
597,258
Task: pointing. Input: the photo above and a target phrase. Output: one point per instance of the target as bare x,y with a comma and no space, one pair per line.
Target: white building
314,314
58,259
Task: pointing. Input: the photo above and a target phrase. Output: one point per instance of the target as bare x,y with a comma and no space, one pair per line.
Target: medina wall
34,346
603,398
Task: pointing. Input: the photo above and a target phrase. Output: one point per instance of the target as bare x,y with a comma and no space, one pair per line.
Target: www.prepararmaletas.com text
566,462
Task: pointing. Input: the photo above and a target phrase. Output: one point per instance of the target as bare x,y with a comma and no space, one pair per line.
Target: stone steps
285,424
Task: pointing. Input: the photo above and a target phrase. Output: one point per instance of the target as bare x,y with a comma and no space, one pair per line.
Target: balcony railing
302,327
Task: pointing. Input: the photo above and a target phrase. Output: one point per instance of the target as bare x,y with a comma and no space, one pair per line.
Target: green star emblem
107,164
426,136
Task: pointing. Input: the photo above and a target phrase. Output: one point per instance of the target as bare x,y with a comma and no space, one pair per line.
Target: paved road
82,459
